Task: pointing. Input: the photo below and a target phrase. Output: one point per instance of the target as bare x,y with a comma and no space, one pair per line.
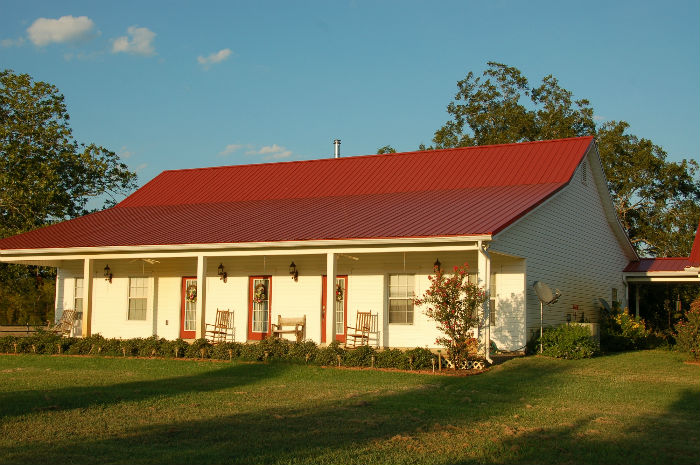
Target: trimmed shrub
360,357
328,356
420,358
688,331
569,342
305,351
392,358
199,348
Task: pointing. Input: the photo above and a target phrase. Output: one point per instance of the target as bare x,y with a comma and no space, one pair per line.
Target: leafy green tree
45,176
657,200
386,149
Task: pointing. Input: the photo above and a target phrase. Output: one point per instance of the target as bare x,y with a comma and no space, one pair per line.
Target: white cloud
125,153
44,31
230,148
139,42
214,58
272,152
7,43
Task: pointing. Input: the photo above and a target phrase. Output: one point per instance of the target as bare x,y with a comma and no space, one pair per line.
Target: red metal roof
658,265
463,191
695,252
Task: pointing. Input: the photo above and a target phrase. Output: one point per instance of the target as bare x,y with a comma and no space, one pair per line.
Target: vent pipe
336,143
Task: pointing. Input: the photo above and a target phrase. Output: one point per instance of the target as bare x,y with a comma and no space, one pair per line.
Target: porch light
437,265
108,274
293,272
222,274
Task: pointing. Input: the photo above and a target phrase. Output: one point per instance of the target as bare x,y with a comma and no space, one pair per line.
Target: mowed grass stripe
634,407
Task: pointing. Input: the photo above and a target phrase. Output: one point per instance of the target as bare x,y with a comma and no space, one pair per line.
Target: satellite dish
547,297
545,294
604,303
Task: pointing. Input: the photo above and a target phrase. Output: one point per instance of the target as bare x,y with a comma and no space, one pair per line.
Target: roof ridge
354,157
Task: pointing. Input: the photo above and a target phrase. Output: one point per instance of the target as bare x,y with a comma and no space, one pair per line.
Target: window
138,298
614,294
78,295
401,298
584,174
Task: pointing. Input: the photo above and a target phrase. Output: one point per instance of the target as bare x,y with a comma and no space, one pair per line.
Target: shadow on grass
230,376
369,428
671,437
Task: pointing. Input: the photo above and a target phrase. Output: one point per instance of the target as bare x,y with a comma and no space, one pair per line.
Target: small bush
688,331
569,342
328,356
392,358
305,351
360,357
199,348
420,358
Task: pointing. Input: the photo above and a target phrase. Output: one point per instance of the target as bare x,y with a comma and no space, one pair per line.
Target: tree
656,200
454,303
46,176
386,149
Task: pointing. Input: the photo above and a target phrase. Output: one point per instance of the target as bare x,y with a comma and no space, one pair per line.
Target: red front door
259,307
340,307
188,309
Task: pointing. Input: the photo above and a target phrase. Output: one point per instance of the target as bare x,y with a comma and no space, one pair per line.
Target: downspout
483,249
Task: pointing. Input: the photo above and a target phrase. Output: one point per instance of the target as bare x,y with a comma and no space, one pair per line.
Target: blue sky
178,84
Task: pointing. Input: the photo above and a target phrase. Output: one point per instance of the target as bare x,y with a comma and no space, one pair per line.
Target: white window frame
145,287
78,296
492,299
409,294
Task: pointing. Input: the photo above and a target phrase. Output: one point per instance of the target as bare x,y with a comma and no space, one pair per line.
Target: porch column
88,268
636,300
484,281
201,296
331,271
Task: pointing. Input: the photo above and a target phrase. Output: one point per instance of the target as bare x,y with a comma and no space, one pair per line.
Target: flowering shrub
453,302
622,331
688,331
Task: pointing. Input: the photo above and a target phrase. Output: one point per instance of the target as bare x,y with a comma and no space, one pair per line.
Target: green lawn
641,407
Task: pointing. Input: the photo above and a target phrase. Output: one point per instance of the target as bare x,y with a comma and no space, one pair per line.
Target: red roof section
646,265
695,251
462,191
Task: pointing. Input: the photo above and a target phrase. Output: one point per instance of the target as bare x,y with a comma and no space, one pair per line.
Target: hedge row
267,350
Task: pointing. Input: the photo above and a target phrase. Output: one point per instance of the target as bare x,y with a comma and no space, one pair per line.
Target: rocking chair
360,330
222,330
64,325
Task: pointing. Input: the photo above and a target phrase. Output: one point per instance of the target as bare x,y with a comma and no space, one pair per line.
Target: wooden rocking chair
64,326
222,330
361,330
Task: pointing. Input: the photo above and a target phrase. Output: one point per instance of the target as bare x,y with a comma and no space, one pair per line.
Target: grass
637,407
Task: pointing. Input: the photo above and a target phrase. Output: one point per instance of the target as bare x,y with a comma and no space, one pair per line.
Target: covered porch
143,291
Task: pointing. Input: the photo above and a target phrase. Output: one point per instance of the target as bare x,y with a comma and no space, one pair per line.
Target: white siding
508,333
569,245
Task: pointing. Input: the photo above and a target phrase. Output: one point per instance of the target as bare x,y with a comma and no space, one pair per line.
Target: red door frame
324,282
255,336
185,334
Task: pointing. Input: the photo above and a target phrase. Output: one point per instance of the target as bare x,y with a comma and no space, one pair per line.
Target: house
664,270
192,241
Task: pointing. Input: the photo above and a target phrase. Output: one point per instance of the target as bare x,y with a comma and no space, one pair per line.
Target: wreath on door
191,293
259,296
339,293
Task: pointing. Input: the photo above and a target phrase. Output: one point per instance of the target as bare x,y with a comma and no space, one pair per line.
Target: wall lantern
222,274
437,265
293,272
108,274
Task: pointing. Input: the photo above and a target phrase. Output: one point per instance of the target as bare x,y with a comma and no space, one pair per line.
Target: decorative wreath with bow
259,296
339,293
191,293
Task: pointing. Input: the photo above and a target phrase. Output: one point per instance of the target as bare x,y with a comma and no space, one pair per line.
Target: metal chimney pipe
336,143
